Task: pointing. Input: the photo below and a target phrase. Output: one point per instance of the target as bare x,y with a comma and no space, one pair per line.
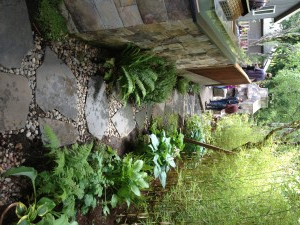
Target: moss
50,19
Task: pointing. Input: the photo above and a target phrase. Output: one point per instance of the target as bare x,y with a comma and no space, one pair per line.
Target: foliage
284,88
185,86
235,130
66,183
167,122
163,150
39,212
51,21
141,76
182,85
251,187
128,180
102,176
194,130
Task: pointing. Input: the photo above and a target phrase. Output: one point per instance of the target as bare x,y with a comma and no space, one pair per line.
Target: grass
252,187
235,130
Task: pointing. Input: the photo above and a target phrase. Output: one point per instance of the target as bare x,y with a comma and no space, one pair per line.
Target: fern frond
141,86
137,98
51,138
60,162
148,78
130,86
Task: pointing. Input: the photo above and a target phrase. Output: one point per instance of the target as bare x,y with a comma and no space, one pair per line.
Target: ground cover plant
251,187
140,76
50,20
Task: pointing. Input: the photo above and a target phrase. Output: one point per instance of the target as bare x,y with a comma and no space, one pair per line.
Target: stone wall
164,26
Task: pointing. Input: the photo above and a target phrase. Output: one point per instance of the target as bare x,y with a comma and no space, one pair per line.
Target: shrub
193,130
51,21
128,181
182,85
161,150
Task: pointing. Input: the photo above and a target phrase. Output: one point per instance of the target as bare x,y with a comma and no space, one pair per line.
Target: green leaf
108,75
163,178
24,221
88,200
62,220
114,200
142,183
48,219
135,190
22,171
129,84
106,210
21,210
154,141
141,86
32,213
137,98
44,206
156,171
138,165
128,201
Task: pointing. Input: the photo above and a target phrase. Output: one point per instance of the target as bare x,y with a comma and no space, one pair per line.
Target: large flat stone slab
96,110
108,13
84,14
153,11
130,15
15,97
124,121
15,33
65,132
179,103
140,117
56,86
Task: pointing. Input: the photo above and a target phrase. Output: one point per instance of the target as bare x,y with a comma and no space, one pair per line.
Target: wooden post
208,146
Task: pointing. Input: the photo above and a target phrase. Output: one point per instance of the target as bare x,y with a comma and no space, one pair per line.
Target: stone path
44,87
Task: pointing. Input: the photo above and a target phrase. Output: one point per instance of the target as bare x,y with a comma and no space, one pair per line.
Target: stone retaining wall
164,26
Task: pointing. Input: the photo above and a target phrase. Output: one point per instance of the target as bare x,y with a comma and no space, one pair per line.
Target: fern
51,140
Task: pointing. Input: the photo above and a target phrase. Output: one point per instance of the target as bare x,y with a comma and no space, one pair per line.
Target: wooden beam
215,148
286,13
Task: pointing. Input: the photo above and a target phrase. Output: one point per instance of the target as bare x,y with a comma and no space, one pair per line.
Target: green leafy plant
182,85
39,212
163,150
193,130
129,179
140,76
168,122
65,183
51,21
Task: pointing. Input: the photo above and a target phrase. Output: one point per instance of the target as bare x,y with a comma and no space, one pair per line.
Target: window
264,10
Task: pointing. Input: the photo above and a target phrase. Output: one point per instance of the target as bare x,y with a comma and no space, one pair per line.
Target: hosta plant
39,212
163,151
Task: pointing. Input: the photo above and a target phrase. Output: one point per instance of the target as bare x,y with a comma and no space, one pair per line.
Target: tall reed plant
252,187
